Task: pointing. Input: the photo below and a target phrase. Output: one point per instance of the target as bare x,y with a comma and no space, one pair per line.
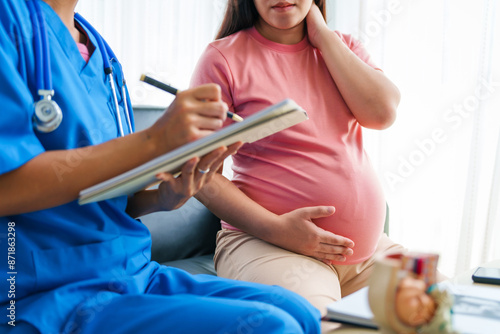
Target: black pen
173,91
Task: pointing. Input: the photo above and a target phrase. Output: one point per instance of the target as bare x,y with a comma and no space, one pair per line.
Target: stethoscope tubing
40,65
47,75
42,62
127,113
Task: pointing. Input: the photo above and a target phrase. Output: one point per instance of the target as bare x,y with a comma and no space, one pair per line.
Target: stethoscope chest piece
47,115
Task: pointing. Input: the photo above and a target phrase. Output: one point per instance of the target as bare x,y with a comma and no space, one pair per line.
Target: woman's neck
283,36
65,9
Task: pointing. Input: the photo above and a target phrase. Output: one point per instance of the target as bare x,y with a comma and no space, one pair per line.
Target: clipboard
257,126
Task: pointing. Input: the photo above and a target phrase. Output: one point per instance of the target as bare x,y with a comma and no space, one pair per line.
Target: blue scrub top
67,254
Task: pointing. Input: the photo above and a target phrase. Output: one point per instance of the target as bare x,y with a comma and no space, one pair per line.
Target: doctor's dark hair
242,14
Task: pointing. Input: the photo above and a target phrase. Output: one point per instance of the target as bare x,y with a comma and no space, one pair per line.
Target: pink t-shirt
320,161
84,51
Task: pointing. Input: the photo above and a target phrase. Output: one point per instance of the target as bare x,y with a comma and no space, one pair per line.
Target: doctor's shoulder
15,23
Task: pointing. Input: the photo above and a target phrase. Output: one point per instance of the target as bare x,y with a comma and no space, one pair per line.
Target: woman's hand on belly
299,234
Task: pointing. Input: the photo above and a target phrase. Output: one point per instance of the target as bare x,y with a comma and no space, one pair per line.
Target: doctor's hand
193,114
173,192
299,234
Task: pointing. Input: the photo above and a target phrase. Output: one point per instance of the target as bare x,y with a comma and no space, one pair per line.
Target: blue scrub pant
177,302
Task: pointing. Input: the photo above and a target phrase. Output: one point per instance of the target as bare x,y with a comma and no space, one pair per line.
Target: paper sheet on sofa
262,124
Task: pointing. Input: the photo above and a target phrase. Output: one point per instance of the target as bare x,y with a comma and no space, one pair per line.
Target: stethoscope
48,115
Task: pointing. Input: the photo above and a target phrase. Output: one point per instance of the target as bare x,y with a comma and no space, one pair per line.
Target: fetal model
404,298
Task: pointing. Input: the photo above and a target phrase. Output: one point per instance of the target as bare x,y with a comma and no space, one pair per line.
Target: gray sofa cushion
183,233
195,265
145,116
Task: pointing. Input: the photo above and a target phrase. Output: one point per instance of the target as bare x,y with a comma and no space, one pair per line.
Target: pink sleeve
357,47
212,67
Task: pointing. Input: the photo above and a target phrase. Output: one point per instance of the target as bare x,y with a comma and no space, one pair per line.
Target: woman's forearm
370,95
230,204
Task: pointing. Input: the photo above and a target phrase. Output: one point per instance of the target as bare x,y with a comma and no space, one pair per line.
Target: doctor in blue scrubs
67,268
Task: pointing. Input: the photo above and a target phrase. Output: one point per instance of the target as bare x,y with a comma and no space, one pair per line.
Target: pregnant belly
359,203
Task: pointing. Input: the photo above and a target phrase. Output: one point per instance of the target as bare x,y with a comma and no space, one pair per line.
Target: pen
173,91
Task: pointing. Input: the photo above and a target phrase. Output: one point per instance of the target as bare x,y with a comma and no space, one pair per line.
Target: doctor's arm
39,184
294,231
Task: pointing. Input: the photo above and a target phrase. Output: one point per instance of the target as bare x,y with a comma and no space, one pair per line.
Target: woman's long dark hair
242,14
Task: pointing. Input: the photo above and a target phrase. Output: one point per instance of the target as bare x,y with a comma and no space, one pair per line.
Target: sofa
182,238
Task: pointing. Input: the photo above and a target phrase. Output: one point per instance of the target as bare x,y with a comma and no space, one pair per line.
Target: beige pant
243,257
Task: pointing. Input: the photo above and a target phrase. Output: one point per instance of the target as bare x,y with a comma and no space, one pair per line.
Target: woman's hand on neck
65,9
